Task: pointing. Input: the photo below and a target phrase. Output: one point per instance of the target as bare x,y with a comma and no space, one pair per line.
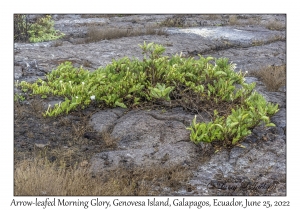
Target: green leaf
233,124
244,116
209,58
270,125
120,104
265,118
235,140
218,73
194,120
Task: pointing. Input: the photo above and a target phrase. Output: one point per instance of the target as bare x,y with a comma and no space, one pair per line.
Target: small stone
41,145
104,156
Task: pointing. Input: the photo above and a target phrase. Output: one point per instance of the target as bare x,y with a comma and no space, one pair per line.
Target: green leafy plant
21,27
254,110
19,97
187,82
206,132
43,30
39,31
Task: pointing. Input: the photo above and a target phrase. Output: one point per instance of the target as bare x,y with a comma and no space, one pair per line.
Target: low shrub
39,31
103,15
233,20
207,84
273,77
275,25
43,30
21,27
213,16
275,38
174,21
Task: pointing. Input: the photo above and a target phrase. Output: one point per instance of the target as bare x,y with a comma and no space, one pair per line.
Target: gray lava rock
148,137
104,120
18,72
280,119
41,143
261,163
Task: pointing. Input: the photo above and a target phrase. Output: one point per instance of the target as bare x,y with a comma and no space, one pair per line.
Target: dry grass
258,42
213,17
174,21
273,77
275,25
109,141
236,19
103,15
40,177
254,21
95,34
57,43
87,63
233,20
275,38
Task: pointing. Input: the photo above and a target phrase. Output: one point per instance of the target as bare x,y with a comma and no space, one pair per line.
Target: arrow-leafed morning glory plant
130,82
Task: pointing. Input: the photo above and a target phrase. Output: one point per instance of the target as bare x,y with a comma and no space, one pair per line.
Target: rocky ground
104,140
